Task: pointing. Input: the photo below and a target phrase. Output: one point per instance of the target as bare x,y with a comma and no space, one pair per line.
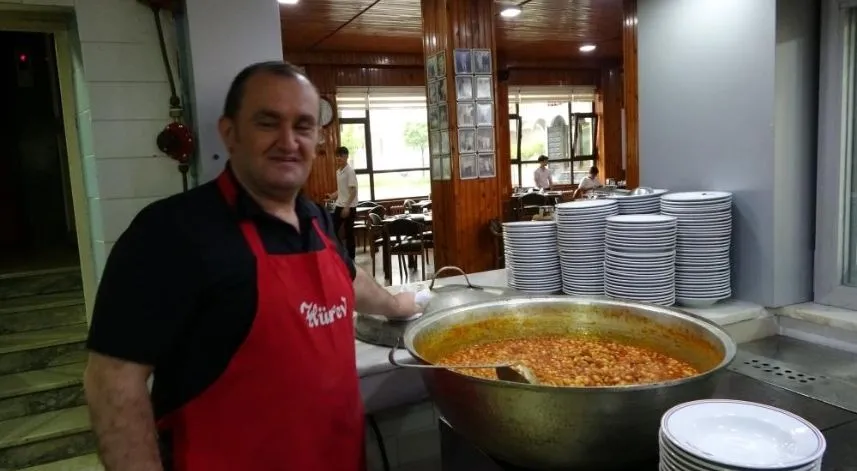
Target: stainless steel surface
820,373
643,190
379,330
544,427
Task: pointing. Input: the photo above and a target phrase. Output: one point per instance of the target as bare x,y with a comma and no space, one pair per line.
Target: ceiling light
288,2
510,12
587,48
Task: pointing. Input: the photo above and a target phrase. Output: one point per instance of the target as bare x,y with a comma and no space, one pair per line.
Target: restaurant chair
530,204
496,229
409,205
360,224
406,240
397,209
375,234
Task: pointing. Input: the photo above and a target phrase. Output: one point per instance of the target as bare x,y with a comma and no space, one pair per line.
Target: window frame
370,167
834,162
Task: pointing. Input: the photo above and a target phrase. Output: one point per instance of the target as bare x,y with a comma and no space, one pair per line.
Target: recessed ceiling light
510,12
587,48
288,2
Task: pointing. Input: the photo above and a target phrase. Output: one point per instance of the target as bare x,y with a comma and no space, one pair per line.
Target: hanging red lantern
176,140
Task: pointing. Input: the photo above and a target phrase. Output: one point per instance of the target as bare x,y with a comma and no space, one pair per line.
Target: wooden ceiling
546,29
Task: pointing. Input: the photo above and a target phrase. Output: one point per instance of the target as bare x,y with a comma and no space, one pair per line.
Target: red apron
290,397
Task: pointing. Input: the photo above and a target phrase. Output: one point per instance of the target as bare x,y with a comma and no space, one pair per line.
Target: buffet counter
384,386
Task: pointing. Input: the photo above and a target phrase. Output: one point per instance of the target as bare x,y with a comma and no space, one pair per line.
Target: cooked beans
569,361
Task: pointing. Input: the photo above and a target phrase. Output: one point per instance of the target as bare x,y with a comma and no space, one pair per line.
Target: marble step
44,438
37,391
32,283
38,349
23,314
79,463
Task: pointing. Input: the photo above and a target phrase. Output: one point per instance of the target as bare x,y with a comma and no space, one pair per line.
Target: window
386,132
836,237
555,121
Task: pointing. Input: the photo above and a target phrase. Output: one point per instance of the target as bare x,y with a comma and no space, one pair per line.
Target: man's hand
371,298
346,211
406,306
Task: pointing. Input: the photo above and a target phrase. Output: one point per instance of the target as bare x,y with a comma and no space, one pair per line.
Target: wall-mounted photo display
431,93
441,90
484,140
431,67
483,87
486,166
442,116
467,141
445,167
444,141
436,171
441,64
467,167
433,119
466,115
463,62
434,143
464,88
484,114
481,61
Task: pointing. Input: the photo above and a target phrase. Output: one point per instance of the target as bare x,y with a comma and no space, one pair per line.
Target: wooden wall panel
632,121
503,150
363,59
549,76
380,77
610,124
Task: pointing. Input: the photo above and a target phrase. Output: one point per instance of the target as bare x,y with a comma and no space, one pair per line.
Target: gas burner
457,454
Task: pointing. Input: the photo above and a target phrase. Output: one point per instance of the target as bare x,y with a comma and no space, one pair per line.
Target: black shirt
179,288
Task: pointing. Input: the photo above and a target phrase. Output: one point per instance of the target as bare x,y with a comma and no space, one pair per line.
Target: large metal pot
544,427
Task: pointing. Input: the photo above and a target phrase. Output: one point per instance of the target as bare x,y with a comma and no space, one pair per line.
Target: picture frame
463,62
442,116
484,114
467,167
481,61
434,143
436,170
466,114
431,67
464,88
467,141
484,87
484,139
441,90
441,64
445,167
431,91
486,165
433,119
444,141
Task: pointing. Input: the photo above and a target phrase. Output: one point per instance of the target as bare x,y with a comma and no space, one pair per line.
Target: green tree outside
416,137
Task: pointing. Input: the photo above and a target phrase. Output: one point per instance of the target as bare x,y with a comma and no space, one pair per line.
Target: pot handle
447,268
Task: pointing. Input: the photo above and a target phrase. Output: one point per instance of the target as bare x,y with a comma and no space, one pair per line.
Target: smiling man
237,298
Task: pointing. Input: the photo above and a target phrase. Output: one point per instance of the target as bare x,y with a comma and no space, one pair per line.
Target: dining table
387,262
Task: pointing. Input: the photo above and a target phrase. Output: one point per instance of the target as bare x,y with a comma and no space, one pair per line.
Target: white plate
743,434
696,196
641,219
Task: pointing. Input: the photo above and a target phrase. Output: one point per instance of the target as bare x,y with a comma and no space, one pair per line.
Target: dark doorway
37,229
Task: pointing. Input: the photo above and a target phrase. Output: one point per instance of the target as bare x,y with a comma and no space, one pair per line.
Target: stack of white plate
640,260
580,236
532,260
640,204
703,268
724,435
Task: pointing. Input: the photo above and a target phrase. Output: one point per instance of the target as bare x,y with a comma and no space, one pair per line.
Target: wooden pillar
322,179
632,122
610,123
459,45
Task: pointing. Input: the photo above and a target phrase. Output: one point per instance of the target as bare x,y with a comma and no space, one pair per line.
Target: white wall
224,36
723,104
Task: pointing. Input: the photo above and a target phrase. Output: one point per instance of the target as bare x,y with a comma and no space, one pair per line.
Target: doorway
37,218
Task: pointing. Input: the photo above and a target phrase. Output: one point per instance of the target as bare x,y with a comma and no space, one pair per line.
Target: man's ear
228,133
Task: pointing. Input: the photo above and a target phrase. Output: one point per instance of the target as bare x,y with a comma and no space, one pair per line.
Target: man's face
341,160
272,140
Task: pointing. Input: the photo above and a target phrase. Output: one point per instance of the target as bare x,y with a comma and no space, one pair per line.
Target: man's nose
288,139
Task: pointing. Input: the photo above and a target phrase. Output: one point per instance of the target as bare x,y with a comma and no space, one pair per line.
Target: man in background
345,199
542,175
588,183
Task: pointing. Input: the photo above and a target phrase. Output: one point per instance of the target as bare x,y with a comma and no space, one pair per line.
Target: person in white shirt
589,182
345,198
542,175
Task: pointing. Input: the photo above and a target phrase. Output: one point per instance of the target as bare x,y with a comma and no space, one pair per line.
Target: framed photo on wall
486,166
431,67
431,91
434,143
463,62
444,141
483,87
467,167
464,88
484,140
482,61
436,172
442,116
467,141
484,114
445,167
441,90
433,119
466,115
441,64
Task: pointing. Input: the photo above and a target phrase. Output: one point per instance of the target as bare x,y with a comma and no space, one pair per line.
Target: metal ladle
514,372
